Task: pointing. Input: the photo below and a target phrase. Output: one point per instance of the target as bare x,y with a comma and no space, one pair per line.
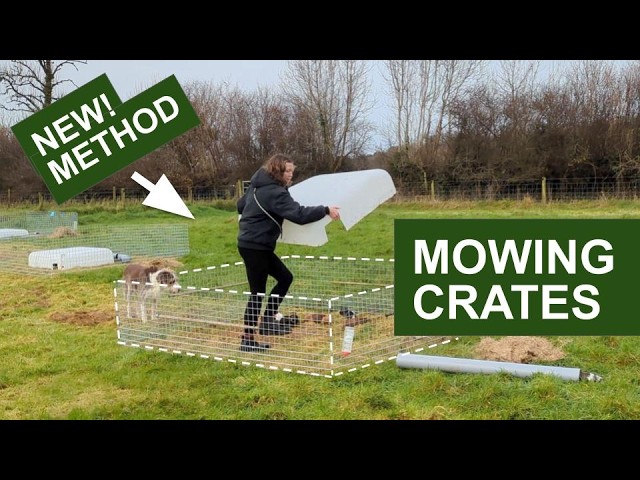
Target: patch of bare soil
83,317
518,349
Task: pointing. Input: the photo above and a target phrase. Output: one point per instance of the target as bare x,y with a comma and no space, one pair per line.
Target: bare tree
400,76
513,78
31,85
274,124
516,83
334,95
423,91
200,155
17,171
592,88
623,141
238,131
630,78
452,77
590,83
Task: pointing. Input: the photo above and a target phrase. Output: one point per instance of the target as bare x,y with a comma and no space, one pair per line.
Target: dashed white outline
273,367
246,363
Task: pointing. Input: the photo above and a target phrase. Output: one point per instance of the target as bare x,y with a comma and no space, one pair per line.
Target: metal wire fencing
537,189
339,311
46,248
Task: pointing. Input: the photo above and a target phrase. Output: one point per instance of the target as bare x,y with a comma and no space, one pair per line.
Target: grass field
60,360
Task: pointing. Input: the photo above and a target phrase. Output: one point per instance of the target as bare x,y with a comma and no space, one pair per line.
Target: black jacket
261,227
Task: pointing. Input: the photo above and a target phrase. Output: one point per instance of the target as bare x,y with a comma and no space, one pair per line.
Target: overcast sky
130,77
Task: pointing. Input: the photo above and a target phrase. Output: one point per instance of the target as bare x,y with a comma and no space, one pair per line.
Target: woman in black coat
265,205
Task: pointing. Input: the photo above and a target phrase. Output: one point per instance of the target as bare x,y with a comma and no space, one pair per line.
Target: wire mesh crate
343,307
43,248
37,223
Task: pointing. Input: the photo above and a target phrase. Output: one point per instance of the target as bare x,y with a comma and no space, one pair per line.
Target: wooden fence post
122,196
8,197
544,190
190,194
114,195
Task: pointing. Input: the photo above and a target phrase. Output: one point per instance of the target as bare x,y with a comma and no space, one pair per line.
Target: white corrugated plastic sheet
13,232
72,257
356,193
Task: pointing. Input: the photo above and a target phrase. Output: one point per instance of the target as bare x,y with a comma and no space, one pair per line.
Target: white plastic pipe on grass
466,365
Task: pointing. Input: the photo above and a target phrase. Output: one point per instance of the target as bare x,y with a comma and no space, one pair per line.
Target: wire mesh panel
39,252
49,222
38,222
339,311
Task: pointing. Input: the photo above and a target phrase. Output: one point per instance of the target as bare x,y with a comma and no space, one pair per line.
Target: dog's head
167,277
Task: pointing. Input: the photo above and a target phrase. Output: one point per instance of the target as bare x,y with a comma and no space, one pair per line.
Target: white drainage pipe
466,365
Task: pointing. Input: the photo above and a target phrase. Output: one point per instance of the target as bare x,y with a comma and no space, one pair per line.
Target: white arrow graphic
162,195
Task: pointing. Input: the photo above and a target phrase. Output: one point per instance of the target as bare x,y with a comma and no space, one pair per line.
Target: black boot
249,344
271,326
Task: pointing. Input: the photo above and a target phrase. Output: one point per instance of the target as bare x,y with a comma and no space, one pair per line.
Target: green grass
52,369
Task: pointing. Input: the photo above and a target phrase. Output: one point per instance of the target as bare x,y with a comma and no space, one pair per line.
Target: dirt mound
83,317
164,263
63,232
518,349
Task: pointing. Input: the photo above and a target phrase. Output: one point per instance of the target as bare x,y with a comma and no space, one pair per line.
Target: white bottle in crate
347,341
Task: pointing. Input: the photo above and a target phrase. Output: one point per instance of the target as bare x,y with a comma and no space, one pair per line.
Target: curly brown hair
276,166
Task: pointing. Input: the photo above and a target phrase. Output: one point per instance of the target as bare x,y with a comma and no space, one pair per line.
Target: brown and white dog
145,284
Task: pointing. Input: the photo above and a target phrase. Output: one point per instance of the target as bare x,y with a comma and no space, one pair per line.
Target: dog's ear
151,269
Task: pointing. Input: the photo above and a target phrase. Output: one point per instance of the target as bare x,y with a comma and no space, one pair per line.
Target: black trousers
259,265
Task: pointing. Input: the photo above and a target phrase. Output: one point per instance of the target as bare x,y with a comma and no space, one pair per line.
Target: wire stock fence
9,197
542,190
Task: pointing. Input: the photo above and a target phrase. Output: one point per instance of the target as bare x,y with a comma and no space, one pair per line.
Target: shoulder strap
265,212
